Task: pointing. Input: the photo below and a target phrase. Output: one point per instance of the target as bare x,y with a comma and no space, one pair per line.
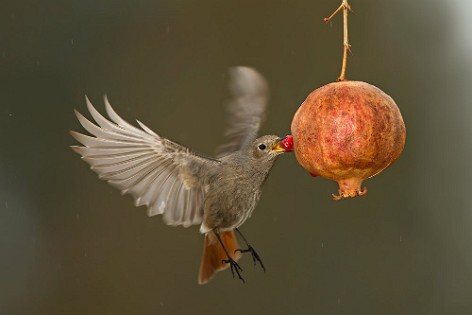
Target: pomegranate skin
348,131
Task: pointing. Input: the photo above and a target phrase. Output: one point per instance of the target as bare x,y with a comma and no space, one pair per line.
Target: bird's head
267,148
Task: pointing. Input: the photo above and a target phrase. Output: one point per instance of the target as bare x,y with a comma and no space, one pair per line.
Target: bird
218,193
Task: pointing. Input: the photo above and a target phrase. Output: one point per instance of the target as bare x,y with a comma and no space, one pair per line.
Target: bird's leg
255,256
233,264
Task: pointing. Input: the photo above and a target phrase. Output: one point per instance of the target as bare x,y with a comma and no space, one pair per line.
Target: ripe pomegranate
348,131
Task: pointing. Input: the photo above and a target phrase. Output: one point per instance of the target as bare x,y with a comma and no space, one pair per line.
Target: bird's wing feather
246,108
165,176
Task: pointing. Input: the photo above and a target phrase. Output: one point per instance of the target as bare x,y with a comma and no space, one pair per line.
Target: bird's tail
214,254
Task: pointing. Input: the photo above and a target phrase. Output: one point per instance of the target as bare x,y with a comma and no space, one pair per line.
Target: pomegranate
348,131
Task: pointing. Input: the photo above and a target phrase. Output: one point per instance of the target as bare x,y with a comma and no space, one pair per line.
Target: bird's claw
255,256
234,268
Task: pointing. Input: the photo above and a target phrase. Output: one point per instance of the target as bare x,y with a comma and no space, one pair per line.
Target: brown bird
187,188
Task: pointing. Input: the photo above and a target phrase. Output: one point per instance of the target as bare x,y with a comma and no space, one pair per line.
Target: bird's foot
255,256
234,268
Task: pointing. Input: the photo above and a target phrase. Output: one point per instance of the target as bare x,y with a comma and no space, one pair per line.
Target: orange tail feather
214,254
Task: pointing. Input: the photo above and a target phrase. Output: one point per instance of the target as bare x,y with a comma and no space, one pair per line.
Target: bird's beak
284,144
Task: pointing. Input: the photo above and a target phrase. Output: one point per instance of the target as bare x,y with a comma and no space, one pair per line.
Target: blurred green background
70,244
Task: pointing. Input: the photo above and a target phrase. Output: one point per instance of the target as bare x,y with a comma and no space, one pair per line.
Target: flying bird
187,188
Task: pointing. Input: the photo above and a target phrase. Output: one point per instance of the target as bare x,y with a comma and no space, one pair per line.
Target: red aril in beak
287,143
283,144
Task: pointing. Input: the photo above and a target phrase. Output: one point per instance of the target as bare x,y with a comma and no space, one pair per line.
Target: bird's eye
262,147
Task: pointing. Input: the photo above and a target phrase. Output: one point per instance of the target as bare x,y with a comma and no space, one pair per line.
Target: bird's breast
229,203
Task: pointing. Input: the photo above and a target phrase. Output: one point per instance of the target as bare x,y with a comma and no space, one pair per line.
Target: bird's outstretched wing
246,108
165,176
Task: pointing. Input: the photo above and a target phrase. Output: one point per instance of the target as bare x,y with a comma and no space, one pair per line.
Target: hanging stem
347,48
